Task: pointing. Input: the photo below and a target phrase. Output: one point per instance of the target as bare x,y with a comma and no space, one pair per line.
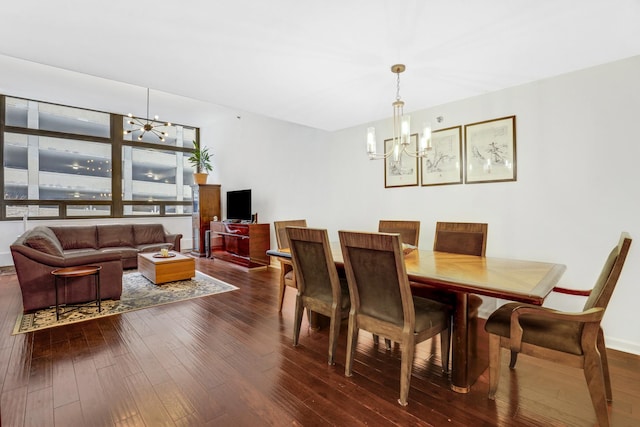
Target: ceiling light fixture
401,130
146,125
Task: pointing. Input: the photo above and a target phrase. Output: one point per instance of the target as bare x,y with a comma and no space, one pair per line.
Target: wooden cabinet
244,244
206,205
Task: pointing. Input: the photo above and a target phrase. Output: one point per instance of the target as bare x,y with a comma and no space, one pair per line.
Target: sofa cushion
115,235
128,256
70,253
77,237
44,240
125,251
148,233
155,247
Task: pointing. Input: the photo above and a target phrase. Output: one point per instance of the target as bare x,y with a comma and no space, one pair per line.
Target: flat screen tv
239,205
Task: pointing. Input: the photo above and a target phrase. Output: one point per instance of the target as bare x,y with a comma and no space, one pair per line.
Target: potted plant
201,160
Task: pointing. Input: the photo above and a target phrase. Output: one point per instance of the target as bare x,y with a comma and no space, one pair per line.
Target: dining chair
319,288
409,230
468,238
572,339
287,276
409,234
381,301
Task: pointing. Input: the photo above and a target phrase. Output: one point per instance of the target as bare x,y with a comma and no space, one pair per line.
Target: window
63,162
154,175
58,118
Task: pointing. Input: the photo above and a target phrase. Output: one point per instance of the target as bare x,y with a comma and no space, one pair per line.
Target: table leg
460,345
467,362
55,281
98,295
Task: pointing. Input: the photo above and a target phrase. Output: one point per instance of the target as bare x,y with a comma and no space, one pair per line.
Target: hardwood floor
228,360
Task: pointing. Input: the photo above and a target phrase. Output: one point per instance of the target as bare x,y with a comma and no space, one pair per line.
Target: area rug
137,293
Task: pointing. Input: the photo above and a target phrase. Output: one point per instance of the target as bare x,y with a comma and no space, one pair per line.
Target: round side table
67,273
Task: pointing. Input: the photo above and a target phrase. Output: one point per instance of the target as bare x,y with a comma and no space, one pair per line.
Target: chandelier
146,125
401,130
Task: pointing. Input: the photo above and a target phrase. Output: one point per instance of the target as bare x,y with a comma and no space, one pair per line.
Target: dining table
503,278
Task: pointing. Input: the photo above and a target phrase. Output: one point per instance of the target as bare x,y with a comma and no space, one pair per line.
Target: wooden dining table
505,278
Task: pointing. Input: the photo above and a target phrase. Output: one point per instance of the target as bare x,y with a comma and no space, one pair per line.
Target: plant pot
200,178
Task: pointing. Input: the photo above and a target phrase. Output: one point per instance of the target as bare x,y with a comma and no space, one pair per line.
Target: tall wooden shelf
243,244
206,205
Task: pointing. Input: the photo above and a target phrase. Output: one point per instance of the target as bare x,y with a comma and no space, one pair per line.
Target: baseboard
274,263
9,269
6,259
622,345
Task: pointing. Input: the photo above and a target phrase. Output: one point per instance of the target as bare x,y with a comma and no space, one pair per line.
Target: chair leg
494,364
594,376
281,294
408,351
297,322
513,360
602,349
334,332
376,339
352,339
450,349
445,343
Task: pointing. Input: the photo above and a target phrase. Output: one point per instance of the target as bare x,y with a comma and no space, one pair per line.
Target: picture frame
442,165
404,172
490,150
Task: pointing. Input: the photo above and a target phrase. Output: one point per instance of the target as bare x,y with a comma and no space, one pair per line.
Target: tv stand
243,244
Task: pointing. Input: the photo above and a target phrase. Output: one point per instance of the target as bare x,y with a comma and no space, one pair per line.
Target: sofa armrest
64,261
92,258
174,239
36,256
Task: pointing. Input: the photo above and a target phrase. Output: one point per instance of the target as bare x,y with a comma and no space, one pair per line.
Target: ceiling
323,64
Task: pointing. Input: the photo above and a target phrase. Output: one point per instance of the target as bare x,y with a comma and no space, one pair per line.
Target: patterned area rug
137,293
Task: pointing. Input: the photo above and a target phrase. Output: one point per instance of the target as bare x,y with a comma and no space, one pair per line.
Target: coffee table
160,269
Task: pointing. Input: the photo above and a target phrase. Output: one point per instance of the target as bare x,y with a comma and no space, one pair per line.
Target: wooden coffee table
166,269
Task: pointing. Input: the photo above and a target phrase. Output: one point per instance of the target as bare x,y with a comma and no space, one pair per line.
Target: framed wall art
443,162
404,171
490,150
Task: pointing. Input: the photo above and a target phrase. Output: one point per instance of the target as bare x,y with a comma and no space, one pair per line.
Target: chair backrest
377,277
316,273
606,283
409,230
281,233
469,238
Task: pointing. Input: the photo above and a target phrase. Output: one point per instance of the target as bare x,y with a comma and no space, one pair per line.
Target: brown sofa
113,246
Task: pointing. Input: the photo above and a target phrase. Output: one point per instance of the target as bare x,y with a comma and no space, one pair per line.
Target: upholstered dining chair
287,276
469,238
409,235
409,230
381,301
572,339
319,288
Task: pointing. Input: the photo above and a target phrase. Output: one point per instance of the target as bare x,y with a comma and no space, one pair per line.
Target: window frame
116,141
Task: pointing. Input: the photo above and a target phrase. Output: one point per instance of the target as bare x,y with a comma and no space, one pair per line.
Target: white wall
577,187
575,193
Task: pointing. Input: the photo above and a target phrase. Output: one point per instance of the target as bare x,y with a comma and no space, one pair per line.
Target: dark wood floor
227,360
